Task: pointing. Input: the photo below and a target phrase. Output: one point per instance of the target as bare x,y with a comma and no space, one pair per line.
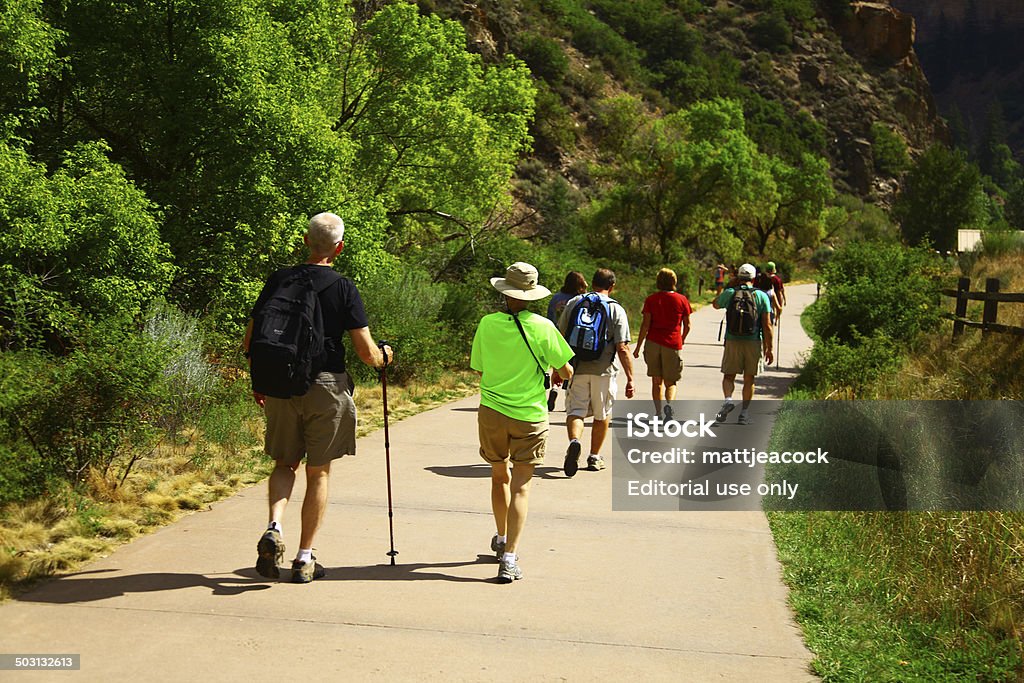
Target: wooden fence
990,313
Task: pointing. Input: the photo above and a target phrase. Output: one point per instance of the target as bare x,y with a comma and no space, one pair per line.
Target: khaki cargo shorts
320,425
591,395
503,438
742,358
663,362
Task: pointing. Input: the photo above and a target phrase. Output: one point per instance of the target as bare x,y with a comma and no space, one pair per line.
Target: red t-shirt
667,310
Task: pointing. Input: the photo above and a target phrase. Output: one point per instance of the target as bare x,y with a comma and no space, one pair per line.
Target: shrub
544,56
889,150
771,31
875,287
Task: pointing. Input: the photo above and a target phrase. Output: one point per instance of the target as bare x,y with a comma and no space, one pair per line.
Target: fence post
991,311
963,285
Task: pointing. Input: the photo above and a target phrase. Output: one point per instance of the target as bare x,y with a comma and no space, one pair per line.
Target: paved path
606,595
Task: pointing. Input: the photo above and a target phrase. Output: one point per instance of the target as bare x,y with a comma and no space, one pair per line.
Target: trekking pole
778,337
387,448
722,322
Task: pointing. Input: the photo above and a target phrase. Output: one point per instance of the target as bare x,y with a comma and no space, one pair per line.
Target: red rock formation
879,31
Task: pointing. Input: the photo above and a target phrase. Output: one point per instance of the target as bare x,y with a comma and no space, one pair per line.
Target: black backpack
287,344
741,315
587,332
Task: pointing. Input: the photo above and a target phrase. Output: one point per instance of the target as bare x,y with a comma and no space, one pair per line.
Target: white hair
325,231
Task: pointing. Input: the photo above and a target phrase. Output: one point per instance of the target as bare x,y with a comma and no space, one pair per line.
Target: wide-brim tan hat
520,282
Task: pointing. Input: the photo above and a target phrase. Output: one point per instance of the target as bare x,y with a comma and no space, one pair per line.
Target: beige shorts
663,362
320,425
591,395
742,358
503,438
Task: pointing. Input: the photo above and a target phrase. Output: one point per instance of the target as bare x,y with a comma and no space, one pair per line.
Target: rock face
879,31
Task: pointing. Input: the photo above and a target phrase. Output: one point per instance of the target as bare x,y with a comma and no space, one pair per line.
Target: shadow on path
70,589
483,471
407,572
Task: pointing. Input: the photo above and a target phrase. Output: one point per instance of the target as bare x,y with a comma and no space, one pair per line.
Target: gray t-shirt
618,332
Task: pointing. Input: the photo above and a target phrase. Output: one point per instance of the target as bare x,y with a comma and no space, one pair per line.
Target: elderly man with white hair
315,418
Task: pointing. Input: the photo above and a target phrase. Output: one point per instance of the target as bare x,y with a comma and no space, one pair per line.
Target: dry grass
976,367
59,533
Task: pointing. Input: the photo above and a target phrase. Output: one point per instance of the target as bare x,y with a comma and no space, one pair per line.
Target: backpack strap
515,317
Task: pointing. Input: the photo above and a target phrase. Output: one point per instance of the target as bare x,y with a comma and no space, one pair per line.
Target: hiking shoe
595,463
271,554
552,397
668,413
572,459
724,412
509,572
743,419
497,546
304,572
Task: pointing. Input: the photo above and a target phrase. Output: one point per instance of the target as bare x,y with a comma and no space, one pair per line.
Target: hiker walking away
777,286
575,284
664,328
748,338
597,330
299,379
512,350
763,282
720,272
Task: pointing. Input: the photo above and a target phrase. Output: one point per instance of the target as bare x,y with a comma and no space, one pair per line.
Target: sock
502,539
728,400
594,455
276,526
509,558
574,440
305,555
743,411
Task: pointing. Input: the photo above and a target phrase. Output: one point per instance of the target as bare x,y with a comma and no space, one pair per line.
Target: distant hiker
763,281
299,321
748,338
512,350
777,286
720,273
596,328
665,326
574,285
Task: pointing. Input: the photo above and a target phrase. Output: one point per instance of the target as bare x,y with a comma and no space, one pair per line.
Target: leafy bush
771,31
875,288
403,309
544,56
889,150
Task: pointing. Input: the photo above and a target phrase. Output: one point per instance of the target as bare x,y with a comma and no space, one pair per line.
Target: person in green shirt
512,350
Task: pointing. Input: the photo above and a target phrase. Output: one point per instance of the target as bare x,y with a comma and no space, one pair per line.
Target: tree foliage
942,194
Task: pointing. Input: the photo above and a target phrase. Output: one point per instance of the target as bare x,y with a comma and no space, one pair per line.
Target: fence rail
990,313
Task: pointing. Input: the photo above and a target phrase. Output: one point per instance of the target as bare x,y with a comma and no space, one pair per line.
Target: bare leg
598,431
656,394
280,484
520,498
574,423
500,496
728,385
315,503
670,392
748,390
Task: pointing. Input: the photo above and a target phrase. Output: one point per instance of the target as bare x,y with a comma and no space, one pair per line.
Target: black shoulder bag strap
547,379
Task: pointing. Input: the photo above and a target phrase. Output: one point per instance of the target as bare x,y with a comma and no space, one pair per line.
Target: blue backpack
587,332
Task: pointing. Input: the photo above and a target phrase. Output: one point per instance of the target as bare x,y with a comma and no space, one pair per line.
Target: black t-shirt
340,305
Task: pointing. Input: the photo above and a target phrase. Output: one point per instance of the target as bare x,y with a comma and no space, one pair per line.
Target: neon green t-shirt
511,383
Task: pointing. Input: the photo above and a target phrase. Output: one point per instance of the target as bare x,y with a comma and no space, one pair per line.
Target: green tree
76,246
28,57
436,133
786,202
678,173
888,150
942,193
